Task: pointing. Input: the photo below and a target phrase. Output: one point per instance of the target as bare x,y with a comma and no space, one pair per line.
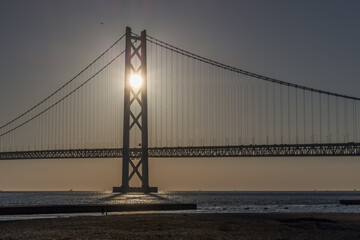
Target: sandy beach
279,226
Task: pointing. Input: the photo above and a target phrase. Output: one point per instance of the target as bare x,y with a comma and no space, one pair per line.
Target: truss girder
285,150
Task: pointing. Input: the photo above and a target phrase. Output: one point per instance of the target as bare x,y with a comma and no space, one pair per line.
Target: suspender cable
312,117
199,104
260,114
288,103
59,126
194,106
355,122
161,97
253,114
247,115
274,114
267,112
304,112
281,115
328,113
168,102
296,118
188,103
212,99
241,116
171,91
345,121
177,89
217,106
337,119
203,108
320,114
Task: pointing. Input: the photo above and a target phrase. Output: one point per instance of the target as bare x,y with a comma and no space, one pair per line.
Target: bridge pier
135,94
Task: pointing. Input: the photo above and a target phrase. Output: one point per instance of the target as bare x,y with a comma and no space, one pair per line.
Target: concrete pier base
55,209
135,189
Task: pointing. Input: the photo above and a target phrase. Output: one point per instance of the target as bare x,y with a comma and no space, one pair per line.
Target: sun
135,81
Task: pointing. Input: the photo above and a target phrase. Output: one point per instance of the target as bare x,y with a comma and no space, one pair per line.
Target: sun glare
135,81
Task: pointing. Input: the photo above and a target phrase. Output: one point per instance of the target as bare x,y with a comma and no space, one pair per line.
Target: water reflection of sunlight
136,198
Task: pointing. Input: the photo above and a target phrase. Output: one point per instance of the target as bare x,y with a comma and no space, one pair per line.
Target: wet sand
268,226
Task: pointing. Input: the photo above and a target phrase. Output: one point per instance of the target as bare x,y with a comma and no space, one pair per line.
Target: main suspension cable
63,98
63,86
247,73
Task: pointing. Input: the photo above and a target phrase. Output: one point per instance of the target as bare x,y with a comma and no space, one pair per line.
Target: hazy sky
314,43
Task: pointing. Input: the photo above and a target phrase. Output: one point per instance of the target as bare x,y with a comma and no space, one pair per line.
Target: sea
207,202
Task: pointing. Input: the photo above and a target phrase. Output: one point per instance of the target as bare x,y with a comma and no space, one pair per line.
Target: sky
314,43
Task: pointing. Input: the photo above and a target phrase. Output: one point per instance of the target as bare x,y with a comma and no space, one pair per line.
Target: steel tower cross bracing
135,70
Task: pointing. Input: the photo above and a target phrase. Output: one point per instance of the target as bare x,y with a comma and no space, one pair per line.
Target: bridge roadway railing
283,150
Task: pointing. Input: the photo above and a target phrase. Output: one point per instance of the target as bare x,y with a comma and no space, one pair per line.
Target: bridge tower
135,93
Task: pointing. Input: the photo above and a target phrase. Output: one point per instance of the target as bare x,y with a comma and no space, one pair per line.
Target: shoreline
92,208
189,226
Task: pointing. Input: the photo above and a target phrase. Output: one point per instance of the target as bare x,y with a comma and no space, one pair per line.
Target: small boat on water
350,202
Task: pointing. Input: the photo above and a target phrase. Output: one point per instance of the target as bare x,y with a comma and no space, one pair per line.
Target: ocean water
207,202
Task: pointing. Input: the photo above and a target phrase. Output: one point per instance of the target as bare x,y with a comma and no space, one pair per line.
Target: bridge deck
283,150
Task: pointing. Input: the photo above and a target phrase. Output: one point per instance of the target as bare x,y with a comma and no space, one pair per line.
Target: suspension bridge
144,98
